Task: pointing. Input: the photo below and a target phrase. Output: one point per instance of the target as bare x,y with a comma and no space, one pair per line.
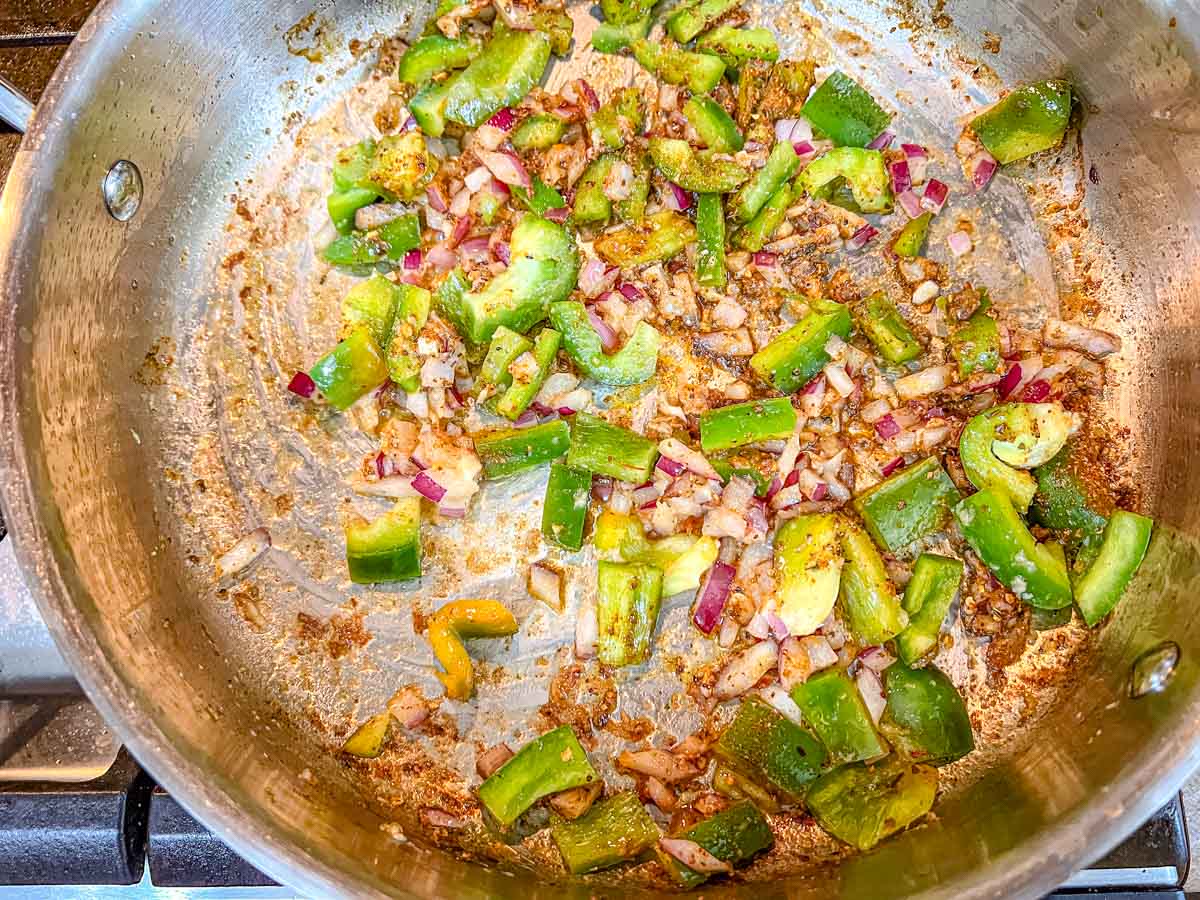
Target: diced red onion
765,260
589,95
935,195
453,398
935,412
409,124
462,228
670,466
302,385
883,141
1010,380
871,690
452,512
793,130
876,658
758,626
477,179
602,488
428,488
595,277
710,602
608,337
541,408
756,515
819,492
501,251
646,497
982,167
436,200
558,214
587,631
526,419
679,200
442,258
476,246
862,237
783,703
744,669
910,203
629,291
901,178
412,260
1036,392
892,466
960,243
804,148
693,855
507,168
793,478
492,759
546,585
242,554
499,188
775,486
914,151
779,629
503,119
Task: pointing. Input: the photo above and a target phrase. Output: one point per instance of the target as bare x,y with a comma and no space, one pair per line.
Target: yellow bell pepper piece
465,619
367,740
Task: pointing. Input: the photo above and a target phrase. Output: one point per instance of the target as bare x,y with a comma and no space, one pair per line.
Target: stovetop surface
78,812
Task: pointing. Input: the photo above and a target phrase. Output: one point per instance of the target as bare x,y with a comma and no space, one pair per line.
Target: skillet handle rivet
122,190
1153,669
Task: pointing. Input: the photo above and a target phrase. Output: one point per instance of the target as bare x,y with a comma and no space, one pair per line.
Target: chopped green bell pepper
864,171
538,132
659,237
428,107
882,323
808,571
909,505
693,170
342,206
541,198
976,343
1070,504
508,452
403,165
739,45
352,165
506,346
761,229
863,804
546,765
1027,121
795,357
628,597
610,38
622,12
618,119
999,537
507,69
715,126
387,549
927,598
615,830
845,113
370,304
911,239
558,26
691,17
565,508
683,558
604,449
868,596
434,54
734,835
412,312
353,368
389,241
632,209
781,165
632,364
591,202
699,72
770,750
1126,538
522,390
710,254
998,440
834,709
925,717
746,423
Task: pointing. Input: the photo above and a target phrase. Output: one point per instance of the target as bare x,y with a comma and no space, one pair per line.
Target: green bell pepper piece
538,132
710,254
727,469
976,343
628,597
691,17
737,46
541,271
604,449
506,346
781,165
659,237
342,206
389,241
699,72
834,709
845,113
388,549
428,107
761,229
1126,538
434,54
735,835
610,38
370,304
864,171
746,423
546,765
565,509
620,118
997,440
632,209
508,452
632,364
591,203
683,558
540,199
701,171
615,830
1068,503
352,165
507,69
927,598
521,392
715,126
403,166
868,596
734,785
883,325
795,357
863,804
770,750
558,26
911,239
907,506
622,12
412,312
353,368
999,537
925,717
808,570
1027,121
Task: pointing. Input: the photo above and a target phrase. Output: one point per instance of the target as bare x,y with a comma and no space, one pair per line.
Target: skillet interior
107,441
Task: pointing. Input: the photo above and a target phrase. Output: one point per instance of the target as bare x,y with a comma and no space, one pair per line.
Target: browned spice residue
339,636
160,357
991,42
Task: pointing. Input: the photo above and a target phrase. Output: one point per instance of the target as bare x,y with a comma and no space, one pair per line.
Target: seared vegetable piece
412,312
781,165
402,165
883,325
615,830
604,449
1071,504
699,72
863,804
834,709
715,126
795,357
365,248
628,597
976,343
739,45
368,739
927,597
734,835
693,170
732,784
526,384
746,423
693,16
564,512
509,66
868,596
505,453
546,765
863,170
428,107
659,237
633,208
619,119
770,750
558,26
1027,121
761,229
996,533
609,38
539,131
540,199
433,54
591,203
909,505
503,351
1126,538
925,717
352,186
387,549
542,270
710,255
844,112
999,440
342,206
808,571
350,370
911,239
684,558
632,364
455,622
622,12
370,304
